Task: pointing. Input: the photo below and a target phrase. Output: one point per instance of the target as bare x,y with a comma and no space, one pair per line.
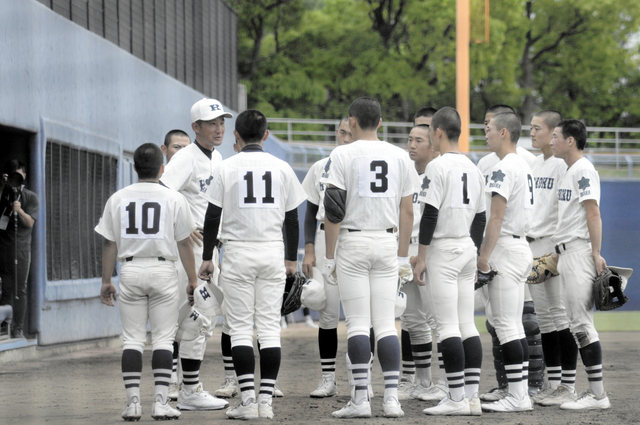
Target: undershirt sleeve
211,226
428,224
310,223
291,230
477,228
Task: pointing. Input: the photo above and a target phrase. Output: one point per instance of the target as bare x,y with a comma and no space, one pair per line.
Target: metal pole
462,70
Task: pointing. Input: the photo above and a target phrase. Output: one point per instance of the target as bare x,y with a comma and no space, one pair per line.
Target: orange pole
462,70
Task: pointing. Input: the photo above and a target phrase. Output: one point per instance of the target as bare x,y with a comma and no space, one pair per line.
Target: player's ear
266,134
353,122
163,148
195,127
379,124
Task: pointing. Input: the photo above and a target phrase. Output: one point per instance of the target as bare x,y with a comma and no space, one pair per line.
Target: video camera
13,187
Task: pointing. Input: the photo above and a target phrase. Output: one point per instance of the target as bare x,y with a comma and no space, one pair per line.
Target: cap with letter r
207,110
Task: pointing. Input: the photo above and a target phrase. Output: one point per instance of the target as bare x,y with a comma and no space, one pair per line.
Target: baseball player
451,230
417,321
578,239
189,172
424,115
364,176
174,140
141,224
528,317
314,254
506,249
559,347
259,195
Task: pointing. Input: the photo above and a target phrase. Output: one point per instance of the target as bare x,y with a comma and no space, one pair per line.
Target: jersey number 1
268,198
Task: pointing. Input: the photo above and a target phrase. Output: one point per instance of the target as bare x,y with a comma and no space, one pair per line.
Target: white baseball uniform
547,297
255,190
145,220
330,316
376,176
577,269
512,179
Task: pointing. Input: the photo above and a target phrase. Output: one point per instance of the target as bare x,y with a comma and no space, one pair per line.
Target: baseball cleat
174,390
352,410
448,407
562,394
392,408
133,410
404,390
228,389
430,393
475,408
495,394
509,404
265,410
244,411
327,387
542,394
199,399
308,321
163,412
587,400
277,392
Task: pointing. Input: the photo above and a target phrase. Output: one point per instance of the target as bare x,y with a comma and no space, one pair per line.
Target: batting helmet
292,291
205,300
401,303
190,323
313,295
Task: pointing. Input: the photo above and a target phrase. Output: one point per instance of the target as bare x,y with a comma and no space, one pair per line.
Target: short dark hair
576,129
367,112
511,122
500,108
251,126
550,117
12,166
167,138
425,111
448,119
148,159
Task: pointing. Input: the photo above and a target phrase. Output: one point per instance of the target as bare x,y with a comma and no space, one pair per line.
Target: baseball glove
607,291
484,278
544,268
292,291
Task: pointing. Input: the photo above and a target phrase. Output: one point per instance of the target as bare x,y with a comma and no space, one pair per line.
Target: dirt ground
86,388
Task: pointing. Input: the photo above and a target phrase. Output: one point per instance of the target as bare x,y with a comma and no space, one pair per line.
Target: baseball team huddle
202,237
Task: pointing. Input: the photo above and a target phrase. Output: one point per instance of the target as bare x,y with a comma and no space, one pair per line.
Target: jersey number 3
142,218
376,178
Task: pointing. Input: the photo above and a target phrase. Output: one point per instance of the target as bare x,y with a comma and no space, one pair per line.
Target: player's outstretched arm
310,224
188,262
406,225
109,256
594,224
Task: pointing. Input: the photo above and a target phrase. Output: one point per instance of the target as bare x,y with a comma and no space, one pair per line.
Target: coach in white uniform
259,194
505,247
370,186
559,347
141,224
189,172
314,253
578,240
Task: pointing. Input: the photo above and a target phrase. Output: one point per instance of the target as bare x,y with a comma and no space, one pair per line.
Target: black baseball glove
484,278
292,291
607,291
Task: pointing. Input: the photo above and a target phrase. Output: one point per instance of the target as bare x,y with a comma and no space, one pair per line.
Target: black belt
515,236
560,245
389,230
321,226
530,239
131,258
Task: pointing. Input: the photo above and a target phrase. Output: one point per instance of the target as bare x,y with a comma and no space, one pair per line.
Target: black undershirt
310,223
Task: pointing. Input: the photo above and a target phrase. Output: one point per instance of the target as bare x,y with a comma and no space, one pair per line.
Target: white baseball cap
207,110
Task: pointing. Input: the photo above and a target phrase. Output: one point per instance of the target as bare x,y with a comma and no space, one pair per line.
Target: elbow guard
334,204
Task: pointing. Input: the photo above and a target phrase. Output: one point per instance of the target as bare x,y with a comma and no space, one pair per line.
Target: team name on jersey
564,195
205,183
544,182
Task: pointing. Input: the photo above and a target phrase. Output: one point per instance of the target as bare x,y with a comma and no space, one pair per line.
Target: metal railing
614,151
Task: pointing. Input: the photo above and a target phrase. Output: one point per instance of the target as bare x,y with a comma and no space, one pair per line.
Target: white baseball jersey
376,176
146,220
511,178
455,186
189,172
580,183
417,209
487,162
314,188
545,192
255,190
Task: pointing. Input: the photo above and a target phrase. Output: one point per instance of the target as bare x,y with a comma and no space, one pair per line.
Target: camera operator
16,201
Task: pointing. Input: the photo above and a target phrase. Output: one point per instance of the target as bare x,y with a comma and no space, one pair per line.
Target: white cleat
164,412
542,394
392,408
495,394
265,410
228,389
561,395
509,404
174,390
405,386
475,408
352,410
133,410
308,321
244,411
430,393
587,400
283,323
327,387
199,400
277,392
448,407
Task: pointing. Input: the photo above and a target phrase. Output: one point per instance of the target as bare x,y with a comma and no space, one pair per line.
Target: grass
612,321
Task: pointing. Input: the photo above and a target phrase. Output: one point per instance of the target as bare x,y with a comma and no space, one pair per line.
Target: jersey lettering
377,178
465,190
564,195
258,188
544,182
142,218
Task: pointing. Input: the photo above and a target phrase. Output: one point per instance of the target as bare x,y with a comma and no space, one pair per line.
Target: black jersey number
465,189
150,213
268,197
381,168
530,182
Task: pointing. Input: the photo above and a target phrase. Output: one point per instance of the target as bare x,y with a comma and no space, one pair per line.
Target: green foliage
311,58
